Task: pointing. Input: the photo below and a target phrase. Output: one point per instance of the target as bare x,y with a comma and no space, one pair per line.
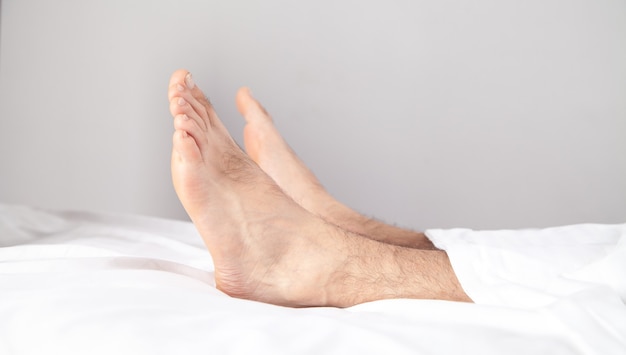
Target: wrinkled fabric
90,283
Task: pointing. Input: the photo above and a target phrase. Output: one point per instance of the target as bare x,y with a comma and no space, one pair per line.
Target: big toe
250,108
176,79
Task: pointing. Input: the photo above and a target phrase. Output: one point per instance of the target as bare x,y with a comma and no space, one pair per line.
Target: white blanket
85,283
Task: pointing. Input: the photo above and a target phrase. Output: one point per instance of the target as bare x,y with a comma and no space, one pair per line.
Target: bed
94,283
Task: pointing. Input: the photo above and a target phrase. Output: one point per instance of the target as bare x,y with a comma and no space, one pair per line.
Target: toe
184,123
176,80
196,104
201,103
183,94
185,149
180,105
250,108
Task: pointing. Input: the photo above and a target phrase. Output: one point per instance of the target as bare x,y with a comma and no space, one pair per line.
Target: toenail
189,81
181,101
185,117
180,87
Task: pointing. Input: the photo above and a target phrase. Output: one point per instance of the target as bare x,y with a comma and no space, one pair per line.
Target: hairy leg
267,148
266,247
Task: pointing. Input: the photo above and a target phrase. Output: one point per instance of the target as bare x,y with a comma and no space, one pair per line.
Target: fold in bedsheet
576,273
535,267
77,283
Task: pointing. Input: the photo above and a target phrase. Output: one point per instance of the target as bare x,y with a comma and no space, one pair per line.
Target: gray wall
482,114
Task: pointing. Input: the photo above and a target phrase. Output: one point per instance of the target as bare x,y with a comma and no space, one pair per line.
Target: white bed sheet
88,283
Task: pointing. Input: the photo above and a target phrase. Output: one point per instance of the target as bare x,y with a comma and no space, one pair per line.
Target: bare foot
247,223
266,247
267,148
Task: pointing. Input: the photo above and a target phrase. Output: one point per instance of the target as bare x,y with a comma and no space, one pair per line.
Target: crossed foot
274,233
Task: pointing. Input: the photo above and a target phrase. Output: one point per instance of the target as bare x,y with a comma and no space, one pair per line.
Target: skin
267,247
270,151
